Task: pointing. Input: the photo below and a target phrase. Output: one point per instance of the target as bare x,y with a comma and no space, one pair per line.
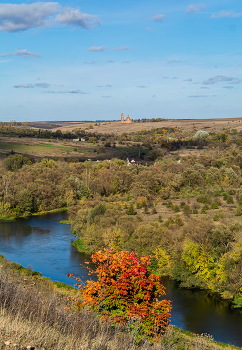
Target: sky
93,60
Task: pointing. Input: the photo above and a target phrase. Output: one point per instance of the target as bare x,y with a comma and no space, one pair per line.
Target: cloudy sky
93,60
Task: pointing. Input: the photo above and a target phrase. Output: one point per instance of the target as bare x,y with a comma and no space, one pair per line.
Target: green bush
214,205
230,200
204,208
130,210
176,208
239,211
160,219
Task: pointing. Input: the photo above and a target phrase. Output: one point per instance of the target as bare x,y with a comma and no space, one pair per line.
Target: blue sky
92,59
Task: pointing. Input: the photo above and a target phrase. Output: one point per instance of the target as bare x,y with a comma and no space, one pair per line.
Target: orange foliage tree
126,291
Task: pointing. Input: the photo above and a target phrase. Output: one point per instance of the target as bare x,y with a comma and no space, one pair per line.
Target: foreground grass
34,312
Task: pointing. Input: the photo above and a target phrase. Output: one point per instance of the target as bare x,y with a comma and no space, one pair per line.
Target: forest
182,208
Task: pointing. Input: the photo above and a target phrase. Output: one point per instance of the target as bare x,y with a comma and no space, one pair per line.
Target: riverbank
12,218
28,290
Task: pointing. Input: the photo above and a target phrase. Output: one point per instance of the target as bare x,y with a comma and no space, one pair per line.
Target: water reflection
46,244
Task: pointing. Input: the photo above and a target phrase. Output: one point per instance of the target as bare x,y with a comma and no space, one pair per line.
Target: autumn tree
126,291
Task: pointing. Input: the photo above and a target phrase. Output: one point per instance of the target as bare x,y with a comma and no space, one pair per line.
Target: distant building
133,161
127,121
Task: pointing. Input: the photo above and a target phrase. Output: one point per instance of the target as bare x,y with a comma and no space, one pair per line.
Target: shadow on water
46,244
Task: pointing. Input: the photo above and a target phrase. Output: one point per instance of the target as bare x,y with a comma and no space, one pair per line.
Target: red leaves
70,275
126,289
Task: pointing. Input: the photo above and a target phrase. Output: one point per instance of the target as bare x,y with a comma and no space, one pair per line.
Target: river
45,244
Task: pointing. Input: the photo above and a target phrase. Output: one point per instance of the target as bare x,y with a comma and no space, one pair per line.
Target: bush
214,206
239,211
160,219
230,200
130,210
126,292
176,208
187,209
204,209
154,211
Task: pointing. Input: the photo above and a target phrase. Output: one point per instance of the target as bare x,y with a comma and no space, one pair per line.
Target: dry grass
37,317
210,125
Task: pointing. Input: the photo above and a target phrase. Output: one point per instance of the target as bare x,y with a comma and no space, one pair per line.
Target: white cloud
95,48
227,14
190,79
25,86
195,8
228,87
158,18
106,96
42,85
218,79
70,16
19,17
25,53
31,86
236,81
142,86
174,61
92,62
121,48
8,54
14,18
197,96
72,91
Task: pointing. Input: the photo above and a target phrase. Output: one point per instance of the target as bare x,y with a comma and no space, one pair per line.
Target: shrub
178,221
204,209
239,211
201,134
146,211
218,216
130,210
160,219
126,292
230,200
187,209
214,206
154,211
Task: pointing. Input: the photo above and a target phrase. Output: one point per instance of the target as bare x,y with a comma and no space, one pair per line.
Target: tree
16,162
126,291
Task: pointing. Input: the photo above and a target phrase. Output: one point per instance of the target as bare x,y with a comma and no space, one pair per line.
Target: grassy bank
35,312
12,218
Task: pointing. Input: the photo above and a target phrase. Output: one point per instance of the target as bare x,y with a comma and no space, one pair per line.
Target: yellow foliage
164,260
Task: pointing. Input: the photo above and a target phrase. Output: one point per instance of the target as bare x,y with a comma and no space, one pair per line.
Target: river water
45,244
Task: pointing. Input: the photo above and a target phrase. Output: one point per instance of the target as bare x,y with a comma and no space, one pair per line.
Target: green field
38,148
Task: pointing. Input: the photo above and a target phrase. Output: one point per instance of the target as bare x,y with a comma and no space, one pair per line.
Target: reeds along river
45,244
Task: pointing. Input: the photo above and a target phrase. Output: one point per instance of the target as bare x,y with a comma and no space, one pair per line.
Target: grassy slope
37,315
